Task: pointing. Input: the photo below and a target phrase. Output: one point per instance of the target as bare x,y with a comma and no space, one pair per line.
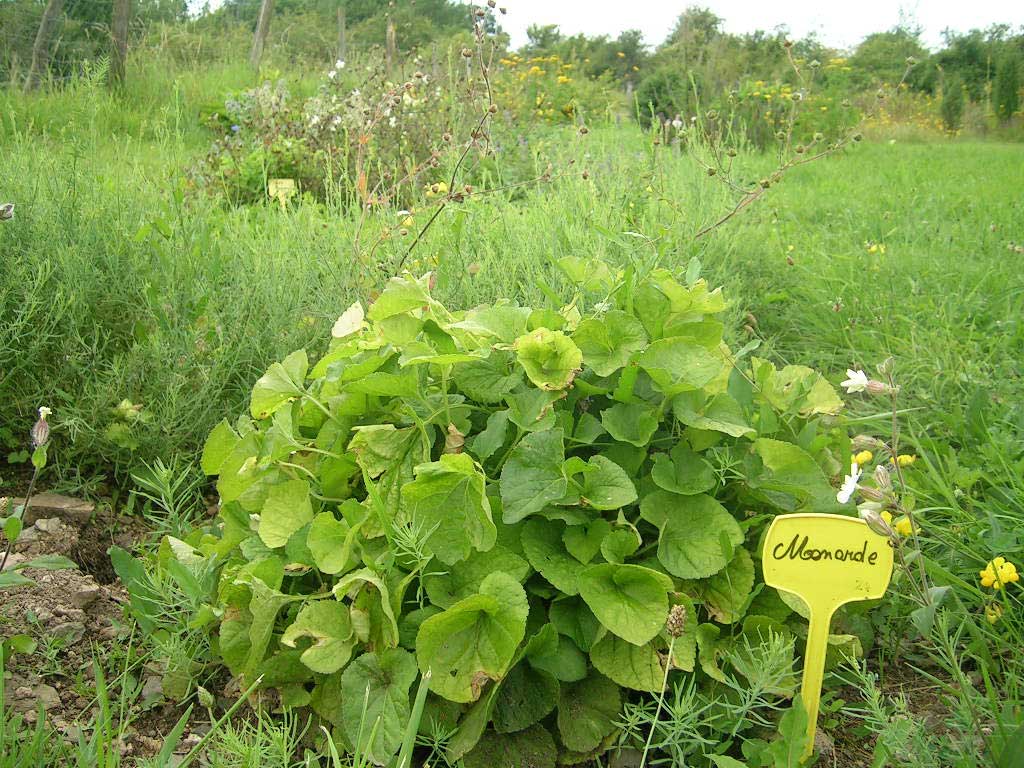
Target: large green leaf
488,380
678,364
631,666
448,502
608,342
461,580
550,359
531,748
584,541
526,696
218,446
402,294
375,701
699,535
331,543
587,712
630,422
630,600
474,640
327,623
572,618
282,382
607,486
722,413
285,511
542,543
726,593
683,471
532,476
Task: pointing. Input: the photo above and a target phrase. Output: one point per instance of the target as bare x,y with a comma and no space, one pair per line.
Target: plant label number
828,560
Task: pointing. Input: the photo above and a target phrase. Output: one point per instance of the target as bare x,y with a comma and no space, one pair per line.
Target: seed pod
467,53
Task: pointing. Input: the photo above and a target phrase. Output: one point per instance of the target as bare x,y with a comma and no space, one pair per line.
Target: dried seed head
584,130
503,10
493,109
789,260
479,13
6,211
712,171
858,136
787,44
446,137
676,623
586,175
467,53
731,152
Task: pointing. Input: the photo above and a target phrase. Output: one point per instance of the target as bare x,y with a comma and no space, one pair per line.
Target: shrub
952,103
513,499
1006,92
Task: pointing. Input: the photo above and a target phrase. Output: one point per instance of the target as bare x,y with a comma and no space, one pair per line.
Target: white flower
677,123
849,484
339,64
44,412
332,74
857,381
392,122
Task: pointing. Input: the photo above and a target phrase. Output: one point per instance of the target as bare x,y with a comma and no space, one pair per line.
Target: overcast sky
838,23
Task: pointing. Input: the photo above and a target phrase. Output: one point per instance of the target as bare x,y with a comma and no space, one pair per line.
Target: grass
142,313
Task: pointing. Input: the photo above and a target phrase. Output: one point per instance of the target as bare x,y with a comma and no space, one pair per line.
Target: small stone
44,616
48,524
46,695
152,689
13,559
66,508
71,614
30,717
70,631
86,595
824,743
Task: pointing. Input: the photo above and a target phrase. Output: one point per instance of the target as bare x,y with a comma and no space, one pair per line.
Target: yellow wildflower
562,79
903,526
993,612
620,54
887,516
998,573
905,460
863,457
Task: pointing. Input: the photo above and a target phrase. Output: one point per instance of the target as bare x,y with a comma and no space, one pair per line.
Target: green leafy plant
511,500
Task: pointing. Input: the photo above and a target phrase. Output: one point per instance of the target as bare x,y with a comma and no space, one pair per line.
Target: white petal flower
332,74
857,381
339,64
849,484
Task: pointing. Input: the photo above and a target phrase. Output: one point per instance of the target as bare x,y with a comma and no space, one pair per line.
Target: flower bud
41,429
871,514
676,623
866,443
879,388
871,494
883,479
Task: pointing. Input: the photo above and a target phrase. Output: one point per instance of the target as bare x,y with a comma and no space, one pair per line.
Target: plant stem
661,703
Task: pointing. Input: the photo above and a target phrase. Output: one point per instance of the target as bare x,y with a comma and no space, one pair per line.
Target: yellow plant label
828,560
281,190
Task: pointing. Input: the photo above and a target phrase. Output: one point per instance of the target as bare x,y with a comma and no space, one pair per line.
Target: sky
838,23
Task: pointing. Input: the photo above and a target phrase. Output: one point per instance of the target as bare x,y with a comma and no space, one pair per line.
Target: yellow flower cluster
998,573
863,457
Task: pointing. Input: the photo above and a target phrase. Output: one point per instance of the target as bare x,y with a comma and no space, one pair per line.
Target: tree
882,57
1006,92
952,102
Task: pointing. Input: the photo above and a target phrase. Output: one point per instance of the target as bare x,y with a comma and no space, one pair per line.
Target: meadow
142,313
